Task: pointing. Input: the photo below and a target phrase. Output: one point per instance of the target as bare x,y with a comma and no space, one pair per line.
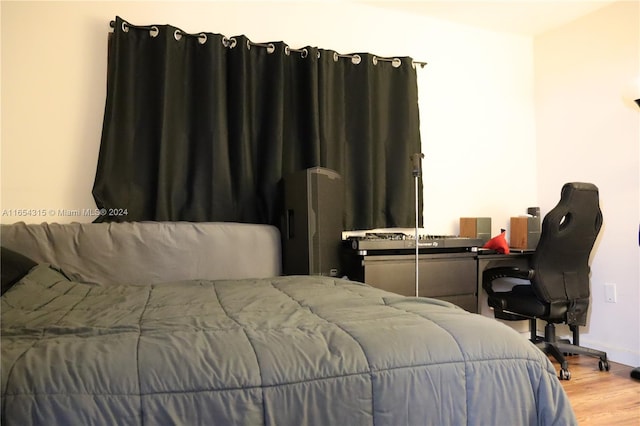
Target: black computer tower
313,222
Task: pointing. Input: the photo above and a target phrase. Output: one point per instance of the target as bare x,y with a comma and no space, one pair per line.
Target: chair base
558,348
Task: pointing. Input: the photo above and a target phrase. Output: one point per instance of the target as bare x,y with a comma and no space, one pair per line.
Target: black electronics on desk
400,243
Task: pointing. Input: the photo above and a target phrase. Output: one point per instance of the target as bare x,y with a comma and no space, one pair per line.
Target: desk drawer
439,276
467,302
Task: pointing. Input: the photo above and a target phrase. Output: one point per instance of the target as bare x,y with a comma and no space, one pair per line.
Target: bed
154,323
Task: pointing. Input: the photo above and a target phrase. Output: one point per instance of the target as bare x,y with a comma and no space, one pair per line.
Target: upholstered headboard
150,252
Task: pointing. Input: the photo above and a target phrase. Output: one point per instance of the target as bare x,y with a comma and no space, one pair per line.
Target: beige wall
476,96
587,74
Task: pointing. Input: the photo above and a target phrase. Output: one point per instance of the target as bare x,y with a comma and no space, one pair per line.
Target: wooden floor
600,397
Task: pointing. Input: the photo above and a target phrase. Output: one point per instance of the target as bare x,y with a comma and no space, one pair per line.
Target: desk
454,277
518,259
446,276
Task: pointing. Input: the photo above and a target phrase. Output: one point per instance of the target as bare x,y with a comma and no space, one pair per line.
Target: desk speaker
476,227
524,232
313,222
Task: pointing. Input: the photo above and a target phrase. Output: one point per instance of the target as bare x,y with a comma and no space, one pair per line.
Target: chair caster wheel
564,374
603,365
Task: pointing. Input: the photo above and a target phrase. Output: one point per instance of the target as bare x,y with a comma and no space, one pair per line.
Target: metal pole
417,239
417,172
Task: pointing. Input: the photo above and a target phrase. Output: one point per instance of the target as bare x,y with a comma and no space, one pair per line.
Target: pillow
14,267
498,243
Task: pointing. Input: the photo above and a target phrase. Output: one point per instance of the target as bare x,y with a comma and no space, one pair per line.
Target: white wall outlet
610,293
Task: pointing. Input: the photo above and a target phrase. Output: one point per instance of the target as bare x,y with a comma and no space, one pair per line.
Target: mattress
292,350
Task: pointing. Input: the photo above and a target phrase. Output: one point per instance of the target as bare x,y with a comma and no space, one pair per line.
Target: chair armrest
491,274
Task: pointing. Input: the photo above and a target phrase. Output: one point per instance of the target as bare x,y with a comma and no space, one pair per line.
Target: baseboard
615,354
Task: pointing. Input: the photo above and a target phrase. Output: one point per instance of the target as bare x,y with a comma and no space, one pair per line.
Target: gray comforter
281,351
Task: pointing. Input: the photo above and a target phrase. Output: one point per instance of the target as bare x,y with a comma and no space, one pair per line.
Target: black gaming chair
559,276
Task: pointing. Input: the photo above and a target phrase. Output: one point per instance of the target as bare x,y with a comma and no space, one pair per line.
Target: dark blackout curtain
201,127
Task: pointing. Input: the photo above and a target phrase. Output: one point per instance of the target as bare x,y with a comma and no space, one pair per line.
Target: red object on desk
498,243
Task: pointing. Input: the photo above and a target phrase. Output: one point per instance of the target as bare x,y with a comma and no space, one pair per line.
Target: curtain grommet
374,60
177,34
271,48
202,38
304,53
154,31
335,56
355,59
125,27
229,42
396,62
287,50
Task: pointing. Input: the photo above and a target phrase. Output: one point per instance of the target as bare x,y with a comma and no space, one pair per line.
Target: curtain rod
231,42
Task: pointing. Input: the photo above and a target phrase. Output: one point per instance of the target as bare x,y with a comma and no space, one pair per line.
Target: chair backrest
561,260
